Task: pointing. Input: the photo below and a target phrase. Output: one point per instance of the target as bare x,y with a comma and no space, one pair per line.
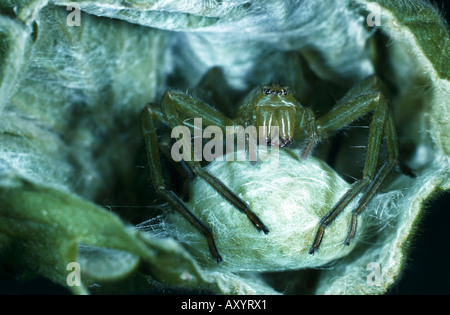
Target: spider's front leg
152,146
359,101
179,109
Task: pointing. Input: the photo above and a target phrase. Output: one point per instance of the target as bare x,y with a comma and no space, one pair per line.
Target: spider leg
181,168
164,142
309,125
361,100
370,193
177,109
394,160
173,105
152,146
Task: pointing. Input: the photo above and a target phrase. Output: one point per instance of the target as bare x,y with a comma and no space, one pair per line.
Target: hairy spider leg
176,110
359,101
309,125
175,103
214,90
164,142
368,195
152,146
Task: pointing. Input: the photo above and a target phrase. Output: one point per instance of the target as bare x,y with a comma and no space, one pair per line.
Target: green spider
274,105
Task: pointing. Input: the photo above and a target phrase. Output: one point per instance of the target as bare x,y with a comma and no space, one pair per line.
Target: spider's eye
276,91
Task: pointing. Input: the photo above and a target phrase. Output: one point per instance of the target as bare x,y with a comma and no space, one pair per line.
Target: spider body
284,120
272,105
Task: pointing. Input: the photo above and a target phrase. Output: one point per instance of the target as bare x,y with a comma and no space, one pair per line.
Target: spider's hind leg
366,97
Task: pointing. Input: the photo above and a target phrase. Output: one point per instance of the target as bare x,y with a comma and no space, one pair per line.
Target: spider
274,105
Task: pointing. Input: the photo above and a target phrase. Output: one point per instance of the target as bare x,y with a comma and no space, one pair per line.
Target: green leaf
43,227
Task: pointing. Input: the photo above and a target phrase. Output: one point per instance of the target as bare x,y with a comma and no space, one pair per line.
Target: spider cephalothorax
269,106
274,108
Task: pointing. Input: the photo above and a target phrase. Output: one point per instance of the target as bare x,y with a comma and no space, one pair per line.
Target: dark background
427,270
